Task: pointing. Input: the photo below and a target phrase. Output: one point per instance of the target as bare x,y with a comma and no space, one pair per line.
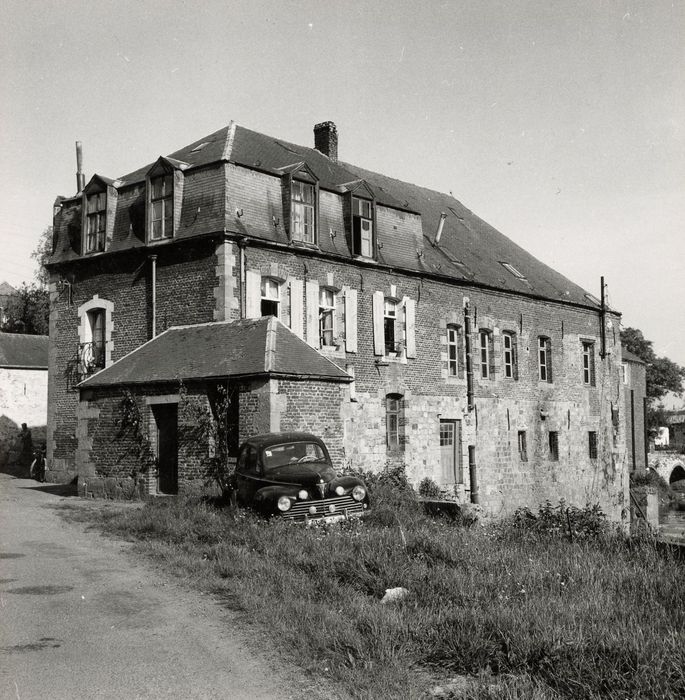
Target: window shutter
312,291
514,356
296,307
253,294
378,337
351,320
491,354
410,329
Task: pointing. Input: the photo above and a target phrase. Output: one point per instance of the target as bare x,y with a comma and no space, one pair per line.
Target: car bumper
329,510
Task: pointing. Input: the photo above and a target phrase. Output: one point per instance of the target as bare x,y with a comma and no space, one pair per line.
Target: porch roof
222,349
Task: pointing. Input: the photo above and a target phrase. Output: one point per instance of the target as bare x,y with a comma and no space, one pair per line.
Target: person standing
26,454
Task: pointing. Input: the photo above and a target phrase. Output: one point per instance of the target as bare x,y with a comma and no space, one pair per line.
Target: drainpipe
469,359
472,474
153,260
646,432
602,316
242,244
632,429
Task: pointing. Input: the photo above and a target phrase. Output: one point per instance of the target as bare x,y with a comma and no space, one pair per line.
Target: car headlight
303,495
339,490
284,503
359,493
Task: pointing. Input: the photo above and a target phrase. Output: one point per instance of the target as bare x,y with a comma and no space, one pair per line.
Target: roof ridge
230,138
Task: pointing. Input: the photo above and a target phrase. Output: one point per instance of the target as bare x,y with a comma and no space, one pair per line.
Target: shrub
563,520
429,489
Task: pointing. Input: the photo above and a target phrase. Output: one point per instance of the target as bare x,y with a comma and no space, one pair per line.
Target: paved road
81,618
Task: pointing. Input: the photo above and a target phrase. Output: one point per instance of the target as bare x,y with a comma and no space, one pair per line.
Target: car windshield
291,453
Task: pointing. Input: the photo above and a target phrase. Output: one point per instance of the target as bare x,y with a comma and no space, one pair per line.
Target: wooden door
450,451
166,420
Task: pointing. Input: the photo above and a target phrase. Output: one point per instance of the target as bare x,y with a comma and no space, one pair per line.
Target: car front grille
342,505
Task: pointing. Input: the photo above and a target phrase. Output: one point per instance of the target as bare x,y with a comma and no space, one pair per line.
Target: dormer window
162,207
302,211
362,227
96,221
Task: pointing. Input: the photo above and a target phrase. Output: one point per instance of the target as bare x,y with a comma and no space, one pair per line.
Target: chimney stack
80,177
326,139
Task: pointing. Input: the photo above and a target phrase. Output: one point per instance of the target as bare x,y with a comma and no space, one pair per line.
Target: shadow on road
55,489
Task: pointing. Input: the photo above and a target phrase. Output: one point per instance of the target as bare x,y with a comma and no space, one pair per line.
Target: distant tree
663,375
41,254
27,311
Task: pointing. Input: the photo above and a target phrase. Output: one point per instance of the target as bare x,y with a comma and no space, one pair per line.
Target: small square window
554,445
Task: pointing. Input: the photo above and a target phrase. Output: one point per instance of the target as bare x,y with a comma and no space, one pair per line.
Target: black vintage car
291,475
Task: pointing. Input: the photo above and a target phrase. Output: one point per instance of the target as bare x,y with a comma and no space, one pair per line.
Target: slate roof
23,351
630,357
470,250
253,347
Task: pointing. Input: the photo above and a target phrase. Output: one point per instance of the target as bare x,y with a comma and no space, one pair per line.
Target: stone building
634,374
23,389
421,335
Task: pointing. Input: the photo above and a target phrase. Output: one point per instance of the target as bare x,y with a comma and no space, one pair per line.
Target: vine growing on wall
210,428
131,423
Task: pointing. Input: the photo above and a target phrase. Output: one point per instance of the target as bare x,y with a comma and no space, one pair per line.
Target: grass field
500,611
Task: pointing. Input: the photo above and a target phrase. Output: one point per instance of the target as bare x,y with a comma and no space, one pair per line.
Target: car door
248,474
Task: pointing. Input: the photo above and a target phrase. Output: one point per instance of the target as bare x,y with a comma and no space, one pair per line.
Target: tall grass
519,612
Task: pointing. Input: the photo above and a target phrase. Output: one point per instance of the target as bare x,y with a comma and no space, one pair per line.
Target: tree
28,310
41,255
663,375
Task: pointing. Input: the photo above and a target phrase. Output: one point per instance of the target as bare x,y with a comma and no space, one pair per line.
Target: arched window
95,335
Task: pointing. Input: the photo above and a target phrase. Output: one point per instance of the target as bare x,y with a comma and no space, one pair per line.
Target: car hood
306,474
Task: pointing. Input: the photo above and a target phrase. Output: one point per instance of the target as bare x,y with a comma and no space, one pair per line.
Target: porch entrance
450,451
166,426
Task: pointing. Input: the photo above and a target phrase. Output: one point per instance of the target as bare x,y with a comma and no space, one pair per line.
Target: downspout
472,474
469,360
602,318
646,432
153,260
242,243
632,428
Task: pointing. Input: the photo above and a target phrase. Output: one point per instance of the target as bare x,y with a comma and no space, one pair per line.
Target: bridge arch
670,467
678,474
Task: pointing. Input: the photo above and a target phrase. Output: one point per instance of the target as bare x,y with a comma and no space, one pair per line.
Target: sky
562,124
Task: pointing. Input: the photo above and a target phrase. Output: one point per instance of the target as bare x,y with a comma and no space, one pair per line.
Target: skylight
593,299
199,147
513,270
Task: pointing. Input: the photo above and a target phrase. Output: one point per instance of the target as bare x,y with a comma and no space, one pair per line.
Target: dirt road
81,618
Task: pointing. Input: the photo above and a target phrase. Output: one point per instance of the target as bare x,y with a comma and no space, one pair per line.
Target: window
271,297
326,316
523,448
96,218
592,444
302,218
545,359
588,363
509,355
393,422
455,354
513,270
487,369
392,342
554,445
162,204
362,227
625,373
96,319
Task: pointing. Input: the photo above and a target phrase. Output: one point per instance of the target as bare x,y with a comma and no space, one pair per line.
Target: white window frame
509,358
588,359
327,308
96,221
271,294
362,216
162,207
302,211
544,359
453,350
485,353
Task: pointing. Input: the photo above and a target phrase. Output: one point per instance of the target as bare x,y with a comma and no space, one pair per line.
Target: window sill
158,241
305,244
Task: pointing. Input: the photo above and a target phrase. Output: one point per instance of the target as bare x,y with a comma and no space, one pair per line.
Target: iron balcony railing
91,357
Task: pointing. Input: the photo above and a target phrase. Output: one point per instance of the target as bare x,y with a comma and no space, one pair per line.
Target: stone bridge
670,466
